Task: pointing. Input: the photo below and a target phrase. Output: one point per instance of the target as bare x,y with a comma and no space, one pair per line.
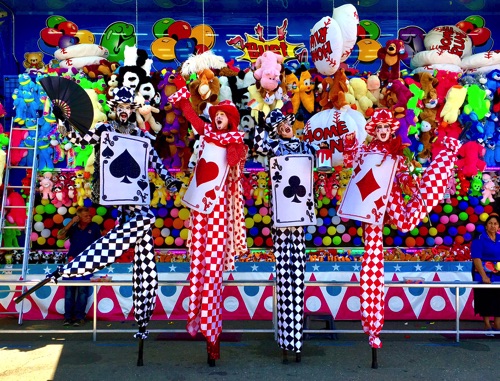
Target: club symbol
294,189
125,166
277,177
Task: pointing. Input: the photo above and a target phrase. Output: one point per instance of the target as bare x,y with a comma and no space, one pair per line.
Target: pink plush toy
46,186
489,189
471,162
16,216
268,69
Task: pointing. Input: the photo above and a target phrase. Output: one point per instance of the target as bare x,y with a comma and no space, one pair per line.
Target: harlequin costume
216,235
288,242
425,193
134,232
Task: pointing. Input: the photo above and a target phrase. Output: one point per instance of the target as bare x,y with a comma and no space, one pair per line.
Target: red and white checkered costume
427,192
215,238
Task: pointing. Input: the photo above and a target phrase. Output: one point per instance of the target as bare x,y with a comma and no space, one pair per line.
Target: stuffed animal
489,189
160,193
16,216
364,98
455,98
334,91
204,90
373,85
33,60
451,189
428,85
391,55
470,161
46,186
268,69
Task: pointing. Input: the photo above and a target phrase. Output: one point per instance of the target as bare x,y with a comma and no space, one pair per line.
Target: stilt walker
374,196
215,198
124,154
291,164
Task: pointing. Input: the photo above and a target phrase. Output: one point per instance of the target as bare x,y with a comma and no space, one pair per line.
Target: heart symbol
206,171
142,184
210,194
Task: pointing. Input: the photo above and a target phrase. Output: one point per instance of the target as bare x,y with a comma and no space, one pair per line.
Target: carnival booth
332,67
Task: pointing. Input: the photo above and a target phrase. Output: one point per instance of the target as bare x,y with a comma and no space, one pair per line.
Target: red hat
231,112
382,116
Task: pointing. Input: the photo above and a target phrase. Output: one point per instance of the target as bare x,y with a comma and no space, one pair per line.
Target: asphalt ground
72,355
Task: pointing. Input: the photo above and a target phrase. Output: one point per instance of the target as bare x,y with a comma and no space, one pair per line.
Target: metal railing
453,285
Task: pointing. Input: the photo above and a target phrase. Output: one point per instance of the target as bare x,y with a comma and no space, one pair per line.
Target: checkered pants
405,216
134,232
290,252
207,246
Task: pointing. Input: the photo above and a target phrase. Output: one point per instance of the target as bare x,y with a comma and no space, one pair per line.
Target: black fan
70,102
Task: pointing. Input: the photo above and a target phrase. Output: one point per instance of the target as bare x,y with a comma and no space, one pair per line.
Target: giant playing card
292,190
208,178
366,195
124,169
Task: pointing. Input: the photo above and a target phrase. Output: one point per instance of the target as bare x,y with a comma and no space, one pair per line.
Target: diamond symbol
367,185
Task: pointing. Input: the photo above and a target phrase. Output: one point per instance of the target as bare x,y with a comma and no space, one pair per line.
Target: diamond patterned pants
290,252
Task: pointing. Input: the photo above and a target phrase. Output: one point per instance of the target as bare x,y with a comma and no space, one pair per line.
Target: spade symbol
108,153
294,189
125,166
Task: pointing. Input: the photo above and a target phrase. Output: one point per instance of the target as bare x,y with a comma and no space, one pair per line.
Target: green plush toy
477,101
10,236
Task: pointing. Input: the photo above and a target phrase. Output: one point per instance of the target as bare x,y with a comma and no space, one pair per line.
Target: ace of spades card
292,190
365,198
124,169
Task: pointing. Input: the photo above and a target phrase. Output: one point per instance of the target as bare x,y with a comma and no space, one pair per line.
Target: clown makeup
383,132
123,112
221,122
285,130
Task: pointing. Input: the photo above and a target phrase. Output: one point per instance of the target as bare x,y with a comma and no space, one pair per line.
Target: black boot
298,357
285,356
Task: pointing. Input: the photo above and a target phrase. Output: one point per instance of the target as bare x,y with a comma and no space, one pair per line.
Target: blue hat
276,116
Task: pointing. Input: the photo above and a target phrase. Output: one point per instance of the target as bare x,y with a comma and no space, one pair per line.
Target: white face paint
123,112
221,122
382,132
285,130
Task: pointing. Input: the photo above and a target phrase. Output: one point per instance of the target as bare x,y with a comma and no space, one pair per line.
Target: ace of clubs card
124,169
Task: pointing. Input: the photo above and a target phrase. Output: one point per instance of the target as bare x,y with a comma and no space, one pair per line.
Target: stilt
374,358
32,290
140,358
285,356
298,357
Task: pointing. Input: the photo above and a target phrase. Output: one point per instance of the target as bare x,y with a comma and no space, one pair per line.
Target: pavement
71,355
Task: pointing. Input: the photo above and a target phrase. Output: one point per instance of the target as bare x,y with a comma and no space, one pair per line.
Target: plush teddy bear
470,161
334,91
46,186
428,85
33,60
160,193
364,98
391,55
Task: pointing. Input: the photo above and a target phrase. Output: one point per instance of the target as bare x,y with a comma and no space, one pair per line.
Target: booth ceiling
242,7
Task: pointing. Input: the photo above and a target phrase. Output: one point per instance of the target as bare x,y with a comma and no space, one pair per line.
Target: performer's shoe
298,357
67,322
79,322
285,357
210,362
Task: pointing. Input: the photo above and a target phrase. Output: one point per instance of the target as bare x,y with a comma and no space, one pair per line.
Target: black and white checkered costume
134,232
289,250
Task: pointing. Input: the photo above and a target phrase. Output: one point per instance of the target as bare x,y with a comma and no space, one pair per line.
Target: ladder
14,173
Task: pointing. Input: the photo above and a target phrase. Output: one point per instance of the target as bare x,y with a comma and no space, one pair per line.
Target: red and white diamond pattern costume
405,215
215,237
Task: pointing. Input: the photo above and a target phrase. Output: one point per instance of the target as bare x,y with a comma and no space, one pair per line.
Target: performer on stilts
124,154
374,196
292,164
215,199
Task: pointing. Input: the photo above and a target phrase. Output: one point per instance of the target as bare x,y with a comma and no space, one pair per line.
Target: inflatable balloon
330,126
348,20
164,48
326,45
449,38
